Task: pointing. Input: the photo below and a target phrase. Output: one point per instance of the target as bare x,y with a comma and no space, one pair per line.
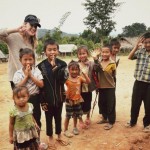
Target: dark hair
146,35
18,89
74,64
24,51
50,42
114,41
82,47
108,46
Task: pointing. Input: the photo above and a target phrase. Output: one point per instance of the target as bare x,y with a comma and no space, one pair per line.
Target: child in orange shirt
73,96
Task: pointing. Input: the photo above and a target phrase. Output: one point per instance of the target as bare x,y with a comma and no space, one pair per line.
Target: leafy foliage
134,30
3,47
100,16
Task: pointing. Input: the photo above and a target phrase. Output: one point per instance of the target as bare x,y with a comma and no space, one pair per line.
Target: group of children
44,85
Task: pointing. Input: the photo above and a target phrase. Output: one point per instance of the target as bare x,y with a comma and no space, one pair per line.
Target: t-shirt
74,88
24,128
32,87
14,42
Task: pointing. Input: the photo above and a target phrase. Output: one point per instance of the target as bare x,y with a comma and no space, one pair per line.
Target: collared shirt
142,69
32,87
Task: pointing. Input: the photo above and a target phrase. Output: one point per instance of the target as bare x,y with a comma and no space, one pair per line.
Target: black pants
107,104
53,111
36,100
86,105
12,85
141,92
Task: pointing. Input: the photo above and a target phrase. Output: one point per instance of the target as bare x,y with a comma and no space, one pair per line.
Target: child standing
32,78
22,126
106,69
115,48
141,88
53,93
86,89
73,96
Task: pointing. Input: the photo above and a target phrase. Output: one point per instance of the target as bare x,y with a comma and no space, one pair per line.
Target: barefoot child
22,126
32,78
73,96
53,93
86,89
106,69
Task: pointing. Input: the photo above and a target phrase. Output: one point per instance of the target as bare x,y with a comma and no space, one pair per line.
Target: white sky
13,12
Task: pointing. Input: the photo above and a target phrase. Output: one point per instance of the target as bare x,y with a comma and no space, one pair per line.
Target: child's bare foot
88,121
83,126
51,143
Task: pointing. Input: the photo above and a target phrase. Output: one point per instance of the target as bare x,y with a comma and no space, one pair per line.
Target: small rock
140,148
146,136
135,141
140,140
132,148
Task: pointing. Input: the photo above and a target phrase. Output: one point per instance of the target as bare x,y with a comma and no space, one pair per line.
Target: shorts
74,110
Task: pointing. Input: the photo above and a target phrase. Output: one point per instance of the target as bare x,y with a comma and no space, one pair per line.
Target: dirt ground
94,138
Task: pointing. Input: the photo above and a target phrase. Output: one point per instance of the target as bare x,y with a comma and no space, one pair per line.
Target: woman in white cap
21,37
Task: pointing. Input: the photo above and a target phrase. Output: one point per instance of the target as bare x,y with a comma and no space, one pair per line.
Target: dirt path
95,138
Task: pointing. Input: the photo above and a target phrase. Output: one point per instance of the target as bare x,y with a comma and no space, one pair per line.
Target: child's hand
95,53
140,41
84,70
53,61
27,70
37,127
11,140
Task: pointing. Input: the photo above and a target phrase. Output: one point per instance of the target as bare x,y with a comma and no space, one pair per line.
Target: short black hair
24,51
50,42
114,41
146,35
18,89
73,63
107,45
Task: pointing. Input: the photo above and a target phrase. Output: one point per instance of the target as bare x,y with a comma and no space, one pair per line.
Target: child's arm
95,54
11,128
36,125
38,82
87,79
131,54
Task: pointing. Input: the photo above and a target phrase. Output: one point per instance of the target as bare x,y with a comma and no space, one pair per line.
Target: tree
100,16
3,47
134,30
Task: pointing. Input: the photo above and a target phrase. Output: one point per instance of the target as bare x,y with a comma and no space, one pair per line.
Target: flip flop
108,126
62,142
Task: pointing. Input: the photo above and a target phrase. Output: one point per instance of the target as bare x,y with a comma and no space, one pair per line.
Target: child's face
105,53
51,51
147,44
27,60
82,55
21,98
74,71
115,49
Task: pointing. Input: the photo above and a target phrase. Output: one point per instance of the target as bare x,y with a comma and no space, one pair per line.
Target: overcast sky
13,12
